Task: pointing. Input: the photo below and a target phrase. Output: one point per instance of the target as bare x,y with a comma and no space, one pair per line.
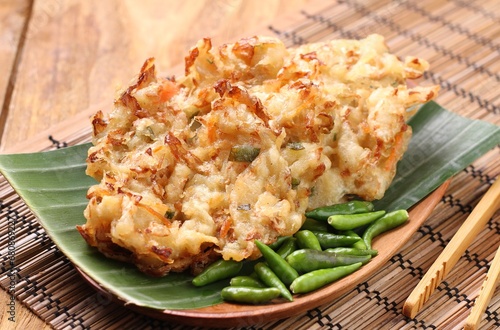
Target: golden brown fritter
196,168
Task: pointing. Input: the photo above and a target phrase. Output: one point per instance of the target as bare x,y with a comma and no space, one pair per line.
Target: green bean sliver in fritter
247,281
287,247
353,251
321,277
269,278
306,260
279,266
352,207
387,222
314,225
243,153
351,221
330,240
306,239
249,295
218,270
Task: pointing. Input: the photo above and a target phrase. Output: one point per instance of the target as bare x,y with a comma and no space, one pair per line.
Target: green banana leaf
53,184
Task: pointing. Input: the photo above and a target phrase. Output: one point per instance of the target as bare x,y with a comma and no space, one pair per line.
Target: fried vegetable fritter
191,169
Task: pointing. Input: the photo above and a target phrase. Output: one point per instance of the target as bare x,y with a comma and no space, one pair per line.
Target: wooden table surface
59,57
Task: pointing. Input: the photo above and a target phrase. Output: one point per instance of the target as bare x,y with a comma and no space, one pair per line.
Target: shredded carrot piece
398,143
226,226
167,90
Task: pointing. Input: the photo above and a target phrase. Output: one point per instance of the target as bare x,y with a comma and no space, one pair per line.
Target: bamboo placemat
461,40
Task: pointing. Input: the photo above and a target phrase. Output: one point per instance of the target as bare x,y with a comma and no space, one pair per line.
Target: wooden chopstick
484,297
454,250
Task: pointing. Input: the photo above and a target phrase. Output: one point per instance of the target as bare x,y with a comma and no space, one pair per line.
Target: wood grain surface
60,57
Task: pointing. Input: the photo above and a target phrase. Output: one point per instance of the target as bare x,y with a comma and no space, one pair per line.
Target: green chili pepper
360,245
269,278
287,247
306,239
352,251
279,266
247,281
351,221
319,278
276,244
330,240
249,295
387,222
218,270
306,260
352,207
243,153
314,225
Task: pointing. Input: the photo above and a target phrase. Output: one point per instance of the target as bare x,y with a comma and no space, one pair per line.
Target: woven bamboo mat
461,40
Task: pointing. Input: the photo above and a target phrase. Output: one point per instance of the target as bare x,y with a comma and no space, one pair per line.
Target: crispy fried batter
325,121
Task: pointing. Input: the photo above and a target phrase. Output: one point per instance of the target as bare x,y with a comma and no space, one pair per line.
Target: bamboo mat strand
461,40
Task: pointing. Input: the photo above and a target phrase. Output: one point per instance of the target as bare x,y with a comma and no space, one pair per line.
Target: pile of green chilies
333,242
